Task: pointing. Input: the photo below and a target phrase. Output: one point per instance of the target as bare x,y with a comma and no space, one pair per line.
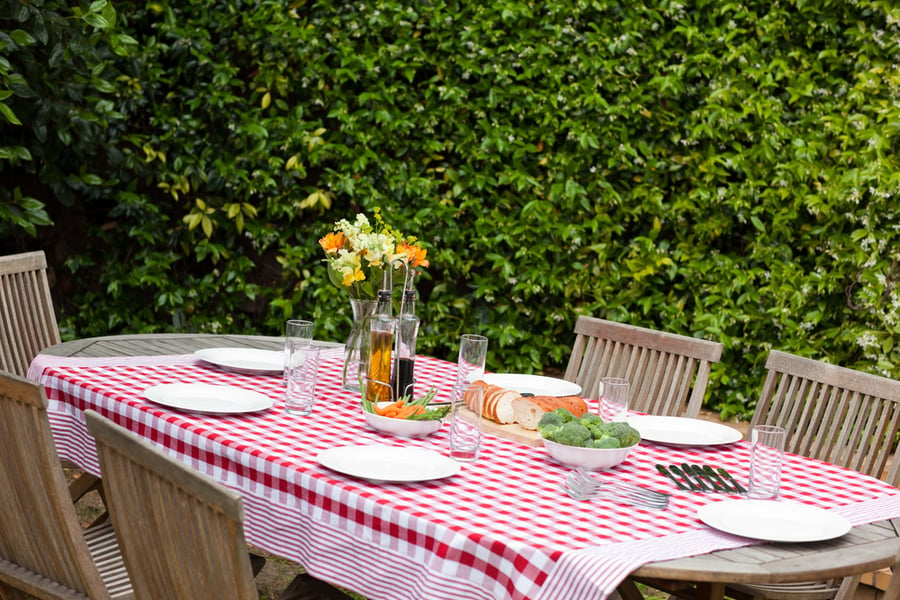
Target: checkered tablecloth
500,529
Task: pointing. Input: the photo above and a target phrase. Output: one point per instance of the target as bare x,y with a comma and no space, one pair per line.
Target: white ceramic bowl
401,427
593,459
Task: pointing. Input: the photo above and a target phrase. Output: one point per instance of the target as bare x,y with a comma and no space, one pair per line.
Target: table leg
628,590
710,591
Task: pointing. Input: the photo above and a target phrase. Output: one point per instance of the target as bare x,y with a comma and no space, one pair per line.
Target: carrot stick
392,407
404,412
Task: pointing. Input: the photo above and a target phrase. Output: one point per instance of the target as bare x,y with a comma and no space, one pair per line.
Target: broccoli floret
620,427
565,415
626,434
549,431
549,423
551,418
572,433
599,430
607,441
589,419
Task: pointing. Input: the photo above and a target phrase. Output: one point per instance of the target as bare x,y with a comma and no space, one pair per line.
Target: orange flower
333,242
415,255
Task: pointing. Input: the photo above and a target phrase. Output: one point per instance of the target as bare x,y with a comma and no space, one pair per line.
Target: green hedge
718,169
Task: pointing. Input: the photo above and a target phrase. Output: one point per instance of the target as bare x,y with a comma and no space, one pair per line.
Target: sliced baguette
528,410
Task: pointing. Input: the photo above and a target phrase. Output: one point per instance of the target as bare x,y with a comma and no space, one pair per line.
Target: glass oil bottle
381,343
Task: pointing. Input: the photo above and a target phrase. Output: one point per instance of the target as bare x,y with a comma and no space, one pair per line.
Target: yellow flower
353,276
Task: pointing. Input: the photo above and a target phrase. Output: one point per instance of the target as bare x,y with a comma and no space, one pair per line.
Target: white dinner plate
774,521
533,384
681,431
388,463
251,361
206,398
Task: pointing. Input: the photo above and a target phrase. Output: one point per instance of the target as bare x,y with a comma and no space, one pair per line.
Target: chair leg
848,588
306,587
893,588
82,484
257,562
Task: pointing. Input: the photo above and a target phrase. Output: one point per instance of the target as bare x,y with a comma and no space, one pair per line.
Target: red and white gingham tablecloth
500,529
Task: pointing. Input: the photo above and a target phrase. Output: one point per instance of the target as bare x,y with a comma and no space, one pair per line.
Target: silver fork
582,485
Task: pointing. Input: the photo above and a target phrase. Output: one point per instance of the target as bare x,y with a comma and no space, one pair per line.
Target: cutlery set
701,478
582,485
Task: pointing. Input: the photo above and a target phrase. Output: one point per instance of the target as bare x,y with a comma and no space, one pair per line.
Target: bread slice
497,403
528,410
503,409
492,394
469,398
488,400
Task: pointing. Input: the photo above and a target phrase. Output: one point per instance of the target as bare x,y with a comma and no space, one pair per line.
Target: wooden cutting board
511,431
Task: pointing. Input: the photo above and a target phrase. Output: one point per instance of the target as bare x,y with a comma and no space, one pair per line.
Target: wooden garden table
499,529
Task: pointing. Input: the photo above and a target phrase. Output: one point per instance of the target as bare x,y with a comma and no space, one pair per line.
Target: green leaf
21,37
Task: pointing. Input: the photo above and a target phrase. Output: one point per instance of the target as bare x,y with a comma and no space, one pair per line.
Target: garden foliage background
721,169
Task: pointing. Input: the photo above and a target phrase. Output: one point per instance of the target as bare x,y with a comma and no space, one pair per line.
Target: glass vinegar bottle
403,379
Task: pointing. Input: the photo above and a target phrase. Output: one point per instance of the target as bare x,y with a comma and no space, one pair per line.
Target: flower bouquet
359,255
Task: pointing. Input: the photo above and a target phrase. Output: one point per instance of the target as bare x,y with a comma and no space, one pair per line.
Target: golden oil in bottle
381,343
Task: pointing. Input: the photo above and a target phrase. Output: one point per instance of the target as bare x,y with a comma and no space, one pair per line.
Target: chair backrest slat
27,319
669,372
832,413
40,535
181,533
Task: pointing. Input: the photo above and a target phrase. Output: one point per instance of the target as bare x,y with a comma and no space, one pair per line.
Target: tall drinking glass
766,459
465,421
614,397
297,334
472,355
300,396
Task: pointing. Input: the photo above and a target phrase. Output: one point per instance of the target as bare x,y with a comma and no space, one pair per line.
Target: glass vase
356,349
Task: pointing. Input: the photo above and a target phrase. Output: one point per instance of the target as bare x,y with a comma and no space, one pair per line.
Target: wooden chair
181,533
833,413
28,325
839,415
669,372
44,552
27,320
